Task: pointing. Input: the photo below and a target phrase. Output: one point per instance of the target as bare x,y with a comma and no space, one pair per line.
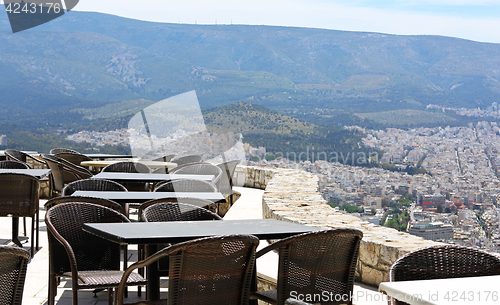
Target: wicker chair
75,158
166,210
440,262
55,151
90,261
11,164
186,185
130,167
225,183
315,262
87,199
165,158
63,172
20,156
13,264
19,197
187,159
199,169
222,264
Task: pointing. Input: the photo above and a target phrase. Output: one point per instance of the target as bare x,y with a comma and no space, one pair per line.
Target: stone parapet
293,195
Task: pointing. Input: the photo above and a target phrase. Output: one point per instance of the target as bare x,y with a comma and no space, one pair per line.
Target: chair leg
32,237
37,229
110,296
24,225
52,289
125,261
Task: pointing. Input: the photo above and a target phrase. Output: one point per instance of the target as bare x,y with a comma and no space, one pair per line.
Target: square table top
139,197
38,173
179,231
143,177
108,156
450,291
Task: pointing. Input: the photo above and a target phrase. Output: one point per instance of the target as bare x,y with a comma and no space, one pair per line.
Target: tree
439,208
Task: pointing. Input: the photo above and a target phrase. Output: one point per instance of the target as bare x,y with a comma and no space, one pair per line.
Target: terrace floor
248,206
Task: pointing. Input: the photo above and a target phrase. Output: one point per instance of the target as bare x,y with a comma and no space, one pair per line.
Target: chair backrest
165,158
225,183
18,194
447,261
202,203
11,164
75,158
127,167
13,264
64,172
315,262
20,156
55,151
165,210
187,159
92,185
212,270
200,169
71,247
87,199
186,185
439,262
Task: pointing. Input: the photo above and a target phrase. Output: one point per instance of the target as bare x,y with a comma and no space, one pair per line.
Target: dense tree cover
348,208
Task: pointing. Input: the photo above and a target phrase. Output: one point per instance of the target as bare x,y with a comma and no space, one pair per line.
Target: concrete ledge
293,195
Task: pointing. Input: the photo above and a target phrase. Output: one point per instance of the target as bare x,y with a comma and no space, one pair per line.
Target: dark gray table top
179,231
107,156
139,197
148,177
39,173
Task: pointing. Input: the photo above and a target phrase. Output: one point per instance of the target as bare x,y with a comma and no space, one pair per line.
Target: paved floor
35,292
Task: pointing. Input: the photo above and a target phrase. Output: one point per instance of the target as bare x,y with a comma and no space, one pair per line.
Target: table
141,177
39,173
153,233
465,290
151,164
140,197
108,156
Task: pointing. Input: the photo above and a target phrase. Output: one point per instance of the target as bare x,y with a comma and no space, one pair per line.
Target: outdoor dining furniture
153,233
200,169
13,265
23,156
130,167
95,200
19,198
90,261
144,177
63,172
441,262
211,270
225,183
186,185
74,157
150,164
136,198
187,159
11,164
39,173
322,262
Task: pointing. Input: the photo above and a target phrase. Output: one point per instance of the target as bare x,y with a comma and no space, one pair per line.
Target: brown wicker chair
212,270
440,262
315,262
20,156
186,185
11,164
130,167
165,210
55,151
95,200
63,172
225,183
13,264
199,169
90,261
187,159
19,197
75,158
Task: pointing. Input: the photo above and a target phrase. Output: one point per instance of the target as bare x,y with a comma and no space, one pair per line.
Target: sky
477,20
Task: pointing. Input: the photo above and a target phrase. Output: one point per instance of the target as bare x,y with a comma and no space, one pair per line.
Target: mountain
88,60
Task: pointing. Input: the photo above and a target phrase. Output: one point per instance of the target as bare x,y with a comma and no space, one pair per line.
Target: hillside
93,59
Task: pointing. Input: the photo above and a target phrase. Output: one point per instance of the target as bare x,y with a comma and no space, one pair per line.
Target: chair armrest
279,244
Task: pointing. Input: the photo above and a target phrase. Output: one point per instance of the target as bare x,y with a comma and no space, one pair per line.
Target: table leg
152,276
15,231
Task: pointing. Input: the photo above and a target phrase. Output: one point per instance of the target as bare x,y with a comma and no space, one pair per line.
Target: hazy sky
471,19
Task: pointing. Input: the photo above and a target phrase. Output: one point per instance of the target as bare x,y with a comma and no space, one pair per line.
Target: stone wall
293,195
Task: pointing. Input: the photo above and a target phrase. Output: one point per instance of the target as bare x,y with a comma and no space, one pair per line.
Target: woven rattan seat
19,198
199,169
91,262
186,185
440,262
212,270
13,264
315,263
20,156
63,172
